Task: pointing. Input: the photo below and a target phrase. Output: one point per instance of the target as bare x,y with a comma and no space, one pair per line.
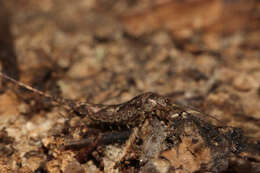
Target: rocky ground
202,54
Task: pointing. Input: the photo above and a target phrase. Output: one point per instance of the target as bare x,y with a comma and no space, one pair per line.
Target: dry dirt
204,54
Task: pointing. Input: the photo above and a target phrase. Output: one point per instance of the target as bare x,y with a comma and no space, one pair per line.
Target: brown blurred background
201,53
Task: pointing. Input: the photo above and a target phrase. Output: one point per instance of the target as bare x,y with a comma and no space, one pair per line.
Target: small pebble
74,167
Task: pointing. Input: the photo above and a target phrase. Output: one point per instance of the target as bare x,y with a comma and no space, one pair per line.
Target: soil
198,53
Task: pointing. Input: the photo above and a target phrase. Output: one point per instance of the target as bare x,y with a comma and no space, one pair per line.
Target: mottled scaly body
133,112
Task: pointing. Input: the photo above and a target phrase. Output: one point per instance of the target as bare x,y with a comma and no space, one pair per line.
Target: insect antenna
66,103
